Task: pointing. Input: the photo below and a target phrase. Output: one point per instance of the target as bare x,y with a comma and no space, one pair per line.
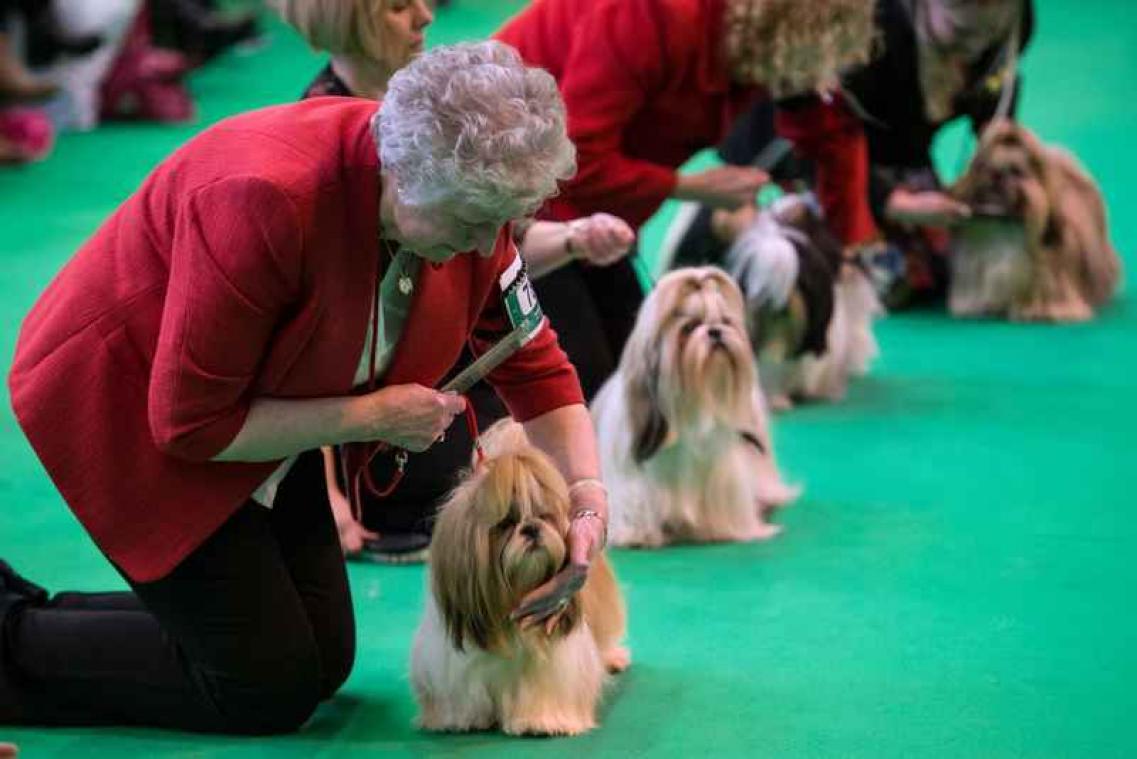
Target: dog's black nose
531,531
715,334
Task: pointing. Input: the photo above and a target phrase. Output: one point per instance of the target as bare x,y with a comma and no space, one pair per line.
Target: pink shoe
27,133
144,82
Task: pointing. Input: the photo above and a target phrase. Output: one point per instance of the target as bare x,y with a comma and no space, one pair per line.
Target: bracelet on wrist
592,514
587,482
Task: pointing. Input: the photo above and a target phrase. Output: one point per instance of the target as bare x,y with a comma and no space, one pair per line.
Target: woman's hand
352,533
586,538
727,226
411,416
600,239
930,209
723,187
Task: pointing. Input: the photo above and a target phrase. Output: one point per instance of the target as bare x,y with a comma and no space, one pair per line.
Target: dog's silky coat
500,535
684,442
1037,246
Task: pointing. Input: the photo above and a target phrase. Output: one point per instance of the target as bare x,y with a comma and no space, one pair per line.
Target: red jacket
244,266
646,88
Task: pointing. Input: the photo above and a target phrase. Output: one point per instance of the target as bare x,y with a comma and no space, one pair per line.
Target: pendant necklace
406,283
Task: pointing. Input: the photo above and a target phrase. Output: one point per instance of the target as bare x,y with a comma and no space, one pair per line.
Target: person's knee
338,658
279,697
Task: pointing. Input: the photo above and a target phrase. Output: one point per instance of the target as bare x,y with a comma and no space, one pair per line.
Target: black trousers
247,635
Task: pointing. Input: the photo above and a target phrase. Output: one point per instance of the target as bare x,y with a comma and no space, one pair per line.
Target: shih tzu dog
1036,247
810,322
684,443
502,534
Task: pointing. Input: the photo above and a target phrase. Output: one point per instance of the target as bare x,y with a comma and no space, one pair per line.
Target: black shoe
15,588
15,592
397,548
46,41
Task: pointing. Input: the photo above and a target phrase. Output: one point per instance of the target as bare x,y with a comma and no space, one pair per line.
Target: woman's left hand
600,239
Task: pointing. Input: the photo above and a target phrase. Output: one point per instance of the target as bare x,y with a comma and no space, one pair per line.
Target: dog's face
688,360
501,535
1036,200
1008,177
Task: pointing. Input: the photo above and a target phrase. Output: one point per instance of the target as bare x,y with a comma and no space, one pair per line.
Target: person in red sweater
647,84
294,277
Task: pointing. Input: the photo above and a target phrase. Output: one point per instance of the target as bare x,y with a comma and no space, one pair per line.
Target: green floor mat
956,580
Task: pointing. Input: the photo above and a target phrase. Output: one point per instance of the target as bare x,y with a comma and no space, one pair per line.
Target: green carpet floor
958,579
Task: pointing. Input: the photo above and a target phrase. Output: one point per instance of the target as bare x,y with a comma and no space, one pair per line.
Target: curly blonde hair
796,46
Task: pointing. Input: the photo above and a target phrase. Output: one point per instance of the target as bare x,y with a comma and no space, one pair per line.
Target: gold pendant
406,284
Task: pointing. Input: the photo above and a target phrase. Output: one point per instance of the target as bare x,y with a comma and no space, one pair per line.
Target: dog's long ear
639,367
1077,229
465,575
649,426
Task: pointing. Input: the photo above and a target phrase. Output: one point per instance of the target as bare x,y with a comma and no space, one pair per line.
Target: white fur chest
990,267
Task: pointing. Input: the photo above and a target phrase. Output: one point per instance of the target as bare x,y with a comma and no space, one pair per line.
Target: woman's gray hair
472,123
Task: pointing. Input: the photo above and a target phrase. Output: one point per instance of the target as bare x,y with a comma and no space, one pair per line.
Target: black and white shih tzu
682,428
810,321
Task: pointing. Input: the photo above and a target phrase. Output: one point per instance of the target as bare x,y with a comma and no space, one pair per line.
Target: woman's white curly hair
471,123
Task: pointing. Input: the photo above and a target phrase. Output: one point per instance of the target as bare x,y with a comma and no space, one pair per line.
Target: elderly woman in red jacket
294,277
368,41
648,83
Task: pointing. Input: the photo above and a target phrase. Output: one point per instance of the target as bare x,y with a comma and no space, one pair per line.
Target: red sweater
646,88
243,267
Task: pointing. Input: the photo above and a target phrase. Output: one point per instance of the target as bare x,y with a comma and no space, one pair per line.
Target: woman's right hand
930,208
722,187
410,416
728,226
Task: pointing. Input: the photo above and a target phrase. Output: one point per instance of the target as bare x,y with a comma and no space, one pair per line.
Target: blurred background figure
935,61
649,83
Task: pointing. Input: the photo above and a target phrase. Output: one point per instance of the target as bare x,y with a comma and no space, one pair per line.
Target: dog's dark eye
689,327
505,525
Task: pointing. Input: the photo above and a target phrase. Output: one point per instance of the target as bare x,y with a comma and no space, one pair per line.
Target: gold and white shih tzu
501,534
811,323
684,443
1036,247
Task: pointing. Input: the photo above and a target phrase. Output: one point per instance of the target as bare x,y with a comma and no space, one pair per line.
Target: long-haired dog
1037,246
684,442
500,535
810,323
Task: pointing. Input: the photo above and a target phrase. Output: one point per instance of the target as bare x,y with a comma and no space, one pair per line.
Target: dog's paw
1067,310
645,540
765,531
436,719
617,659
560,725
781,402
